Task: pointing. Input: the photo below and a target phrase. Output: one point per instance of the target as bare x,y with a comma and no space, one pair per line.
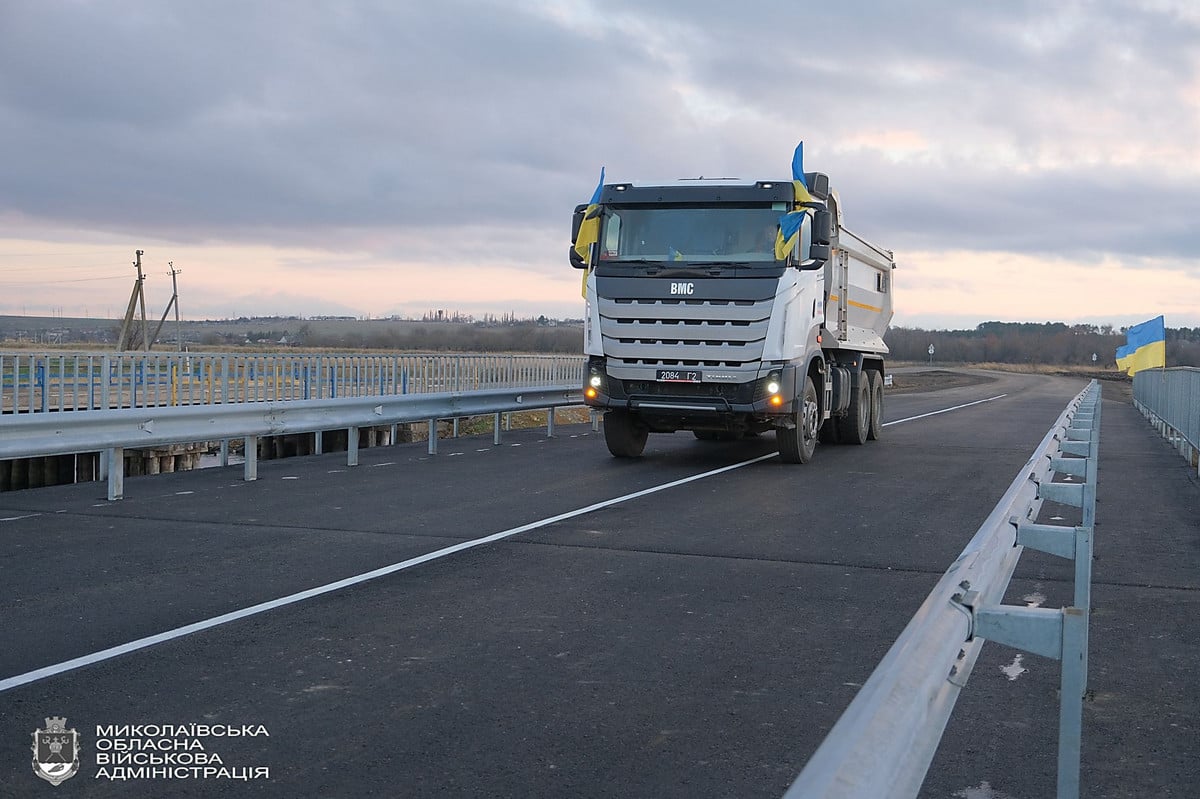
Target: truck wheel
876,385
797,444
624,436
854,426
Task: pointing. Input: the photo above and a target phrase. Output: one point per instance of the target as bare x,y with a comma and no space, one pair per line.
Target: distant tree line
528,337
1032,342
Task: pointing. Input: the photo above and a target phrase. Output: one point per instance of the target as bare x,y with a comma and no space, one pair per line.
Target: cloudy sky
1026,161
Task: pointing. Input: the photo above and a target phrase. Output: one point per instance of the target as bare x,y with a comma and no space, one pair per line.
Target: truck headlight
595,381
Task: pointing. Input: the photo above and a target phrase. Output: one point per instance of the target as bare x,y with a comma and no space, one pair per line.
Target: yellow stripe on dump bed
863,305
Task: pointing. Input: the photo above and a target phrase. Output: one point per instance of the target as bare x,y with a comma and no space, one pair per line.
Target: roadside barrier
1170,400
43,382
112,431
885,740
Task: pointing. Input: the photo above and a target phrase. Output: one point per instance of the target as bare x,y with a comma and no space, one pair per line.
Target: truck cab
730,308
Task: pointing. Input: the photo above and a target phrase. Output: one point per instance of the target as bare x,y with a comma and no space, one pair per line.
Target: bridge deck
697,640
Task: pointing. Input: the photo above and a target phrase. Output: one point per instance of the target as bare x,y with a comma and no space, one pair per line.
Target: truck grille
716,333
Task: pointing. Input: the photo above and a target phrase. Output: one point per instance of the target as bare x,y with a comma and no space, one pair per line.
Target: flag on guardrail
1145,346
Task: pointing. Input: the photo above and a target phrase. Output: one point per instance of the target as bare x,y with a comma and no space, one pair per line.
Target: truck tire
624,436
797,444
876,386
854,426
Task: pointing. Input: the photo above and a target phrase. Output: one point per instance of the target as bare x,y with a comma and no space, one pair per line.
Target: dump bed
858,292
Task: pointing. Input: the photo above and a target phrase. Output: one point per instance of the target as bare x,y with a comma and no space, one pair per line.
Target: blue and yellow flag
589,230
789,223
1145,347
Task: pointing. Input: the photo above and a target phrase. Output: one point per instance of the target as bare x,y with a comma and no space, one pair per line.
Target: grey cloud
295,123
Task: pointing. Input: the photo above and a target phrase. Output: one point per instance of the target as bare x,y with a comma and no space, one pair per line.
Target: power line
53,254
54,282
15,268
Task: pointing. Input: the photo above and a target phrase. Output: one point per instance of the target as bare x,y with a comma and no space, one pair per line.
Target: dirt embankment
934,380
1115,384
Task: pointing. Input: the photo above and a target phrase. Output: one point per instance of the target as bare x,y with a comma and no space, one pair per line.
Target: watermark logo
55,751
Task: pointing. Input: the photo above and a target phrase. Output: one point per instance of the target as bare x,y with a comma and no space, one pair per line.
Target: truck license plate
679,375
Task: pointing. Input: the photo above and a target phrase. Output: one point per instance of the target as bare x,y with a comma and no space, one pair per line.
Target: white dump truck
729,308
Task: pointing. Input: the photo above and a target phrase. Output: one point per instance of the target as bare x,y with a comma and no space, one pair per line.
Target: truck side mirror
822,227
576,221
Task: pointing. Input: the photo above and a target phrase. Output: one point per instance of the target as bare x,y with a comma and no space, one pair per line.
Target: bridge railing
41,382
110,432
1170,400
885,740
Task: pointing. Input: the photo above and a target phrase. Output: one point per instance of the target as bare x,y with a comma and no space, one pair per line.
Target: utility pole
174,301
138,293
142,297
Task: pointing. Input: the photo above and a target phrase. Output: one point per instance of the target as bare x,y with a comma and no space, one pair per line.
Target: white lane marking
19,518
945,410
263,607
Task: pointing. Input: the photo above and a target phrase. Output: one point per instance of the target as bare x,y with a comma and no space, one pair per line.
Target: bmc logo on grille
683,288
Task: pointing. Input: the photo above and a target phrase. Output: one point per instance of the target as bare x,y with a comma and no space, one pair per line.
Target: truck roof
702,188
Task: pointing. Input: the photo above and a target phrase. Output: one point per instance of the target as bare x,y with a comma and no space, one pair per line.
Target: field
271,333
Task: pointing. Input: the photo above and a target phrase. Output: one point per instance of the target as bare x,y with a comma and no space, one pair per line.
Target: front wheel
798,444
624,436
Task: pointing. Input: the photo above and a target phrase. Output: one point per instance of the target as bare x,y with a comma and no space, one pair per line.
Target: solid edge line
262,607
944,410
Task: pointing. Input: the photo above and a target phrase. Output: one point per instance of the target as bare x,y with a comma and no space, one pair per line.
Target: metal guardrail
41,382
885,740
112,431
1170,400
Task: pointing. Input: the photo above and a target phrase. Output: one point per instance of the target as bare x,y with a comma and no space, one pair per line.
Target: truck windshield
691,233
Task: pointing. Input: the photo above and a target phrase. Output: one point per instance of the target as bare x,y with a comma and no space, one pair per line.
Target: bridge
535,618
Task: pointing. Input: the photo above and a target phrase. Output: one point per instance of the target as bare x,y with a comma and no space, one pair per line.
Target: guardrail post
105,370
116,474
224,452
250,472
318,442
595,420
43,373
496,429
1073,683
352,446
549,423
433,436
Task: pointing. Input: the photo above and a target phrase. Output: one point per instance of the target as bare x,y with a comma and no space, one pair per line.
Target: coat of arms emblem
55,751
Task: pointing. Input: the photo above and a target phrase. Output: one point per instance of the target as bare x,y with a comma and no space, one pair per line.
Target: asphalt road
630,636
